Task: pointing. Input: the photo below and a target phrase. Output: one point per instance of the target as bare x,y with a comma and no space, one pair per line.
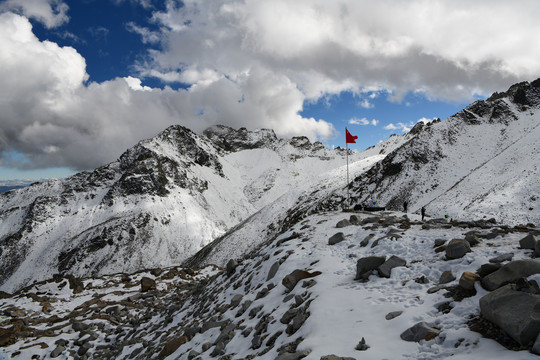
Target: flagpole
347,151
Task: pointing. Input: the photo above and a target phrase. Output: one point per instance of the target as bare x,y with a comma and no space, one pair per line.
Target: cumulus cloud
52,115
52,13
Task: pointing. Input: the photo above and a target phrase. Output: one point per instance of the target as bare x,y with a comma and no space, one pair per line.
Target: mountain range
168,197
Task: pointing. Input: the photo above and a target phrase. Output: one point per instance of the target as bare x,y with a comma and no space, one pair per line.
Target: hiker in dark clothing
405,206
423,211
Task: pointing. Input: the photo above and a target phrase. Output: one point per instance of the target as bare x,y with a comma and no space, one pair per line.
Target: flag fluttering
349,139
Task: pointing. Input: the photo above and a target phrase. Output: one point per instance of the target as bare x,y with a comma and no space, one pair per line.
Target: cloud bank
250,63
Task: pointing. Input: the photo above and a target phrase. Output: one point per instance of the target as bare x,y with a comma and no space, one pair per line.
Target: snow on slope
246,314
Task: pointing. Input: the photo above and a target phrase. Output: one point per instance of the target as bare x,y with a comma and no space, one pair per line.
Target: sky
81,81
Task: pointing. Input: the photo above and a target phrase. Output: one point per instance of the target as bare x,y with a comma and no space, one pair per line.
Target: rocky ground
335,286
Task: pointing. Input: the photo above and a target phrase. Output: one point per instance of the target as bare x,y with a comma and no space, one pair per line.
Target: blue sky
84,80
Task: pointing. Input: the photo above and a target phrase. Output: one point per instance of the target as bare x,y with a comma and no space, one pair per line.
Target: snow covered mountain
161,202
481,162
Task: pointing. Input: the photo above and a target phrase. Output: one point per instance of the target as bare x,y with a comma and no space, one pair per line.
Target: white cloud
403,127
363,121
52,13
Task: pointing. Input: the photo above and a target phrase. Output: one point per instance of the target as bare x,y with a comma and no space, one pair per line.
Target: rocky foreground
335,286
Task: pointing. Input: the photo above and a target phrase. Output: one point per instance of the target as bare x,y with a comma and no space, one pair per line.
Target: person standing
405,207
423,211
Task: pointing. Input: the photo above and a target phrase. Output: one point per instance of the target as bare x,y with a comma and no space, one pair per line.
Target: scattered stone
366,265
293,278
343,223
510,273
436,288
457,248
420,331
386,268
468,279
365,242
472,239
393,315
231,266
336,238
59,349
335,357
516,312
502,258
273,270
528,242
235,301
293,356
148,284
439,242
446,277
355,220
362,346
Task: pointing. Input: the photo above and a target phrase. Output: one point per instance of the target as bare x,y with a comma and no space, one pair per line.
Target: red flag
349,139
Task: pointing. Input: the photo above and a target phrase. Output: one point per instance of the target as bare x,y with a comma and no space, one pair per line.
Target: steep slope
162,201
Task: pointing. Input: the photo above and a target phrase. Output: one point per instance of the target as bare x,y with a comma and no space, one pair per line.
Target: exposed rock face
516,312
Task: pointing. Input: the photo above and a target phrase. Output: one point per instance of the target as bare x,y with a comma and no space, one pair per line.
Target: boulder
420,331
336,238
515,312
457,248
528,242
510,273
148,284
293,278
365,266
386,268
